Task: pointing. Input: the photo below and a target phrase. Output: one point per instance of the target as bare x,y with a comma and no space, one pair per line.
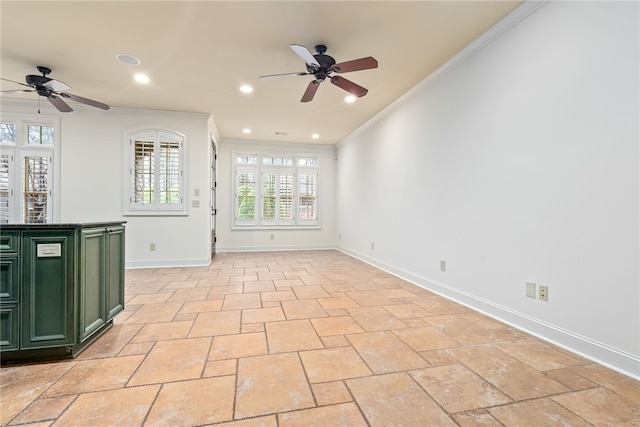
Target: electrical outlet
196,192
271,236
371,245
152,246
531,289
443,265
543,293
195,203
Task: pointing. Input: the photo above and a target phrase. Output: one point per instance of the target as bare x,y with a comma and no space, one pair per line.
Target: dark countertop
57,226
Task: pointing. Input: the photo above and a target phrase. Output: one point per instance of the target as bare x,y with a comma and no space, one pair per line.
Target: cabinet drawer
9,278
10,241
9,319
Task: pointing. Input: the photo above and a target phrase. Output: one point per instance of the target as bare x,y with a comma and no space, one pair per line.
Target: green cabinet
101,277
60,287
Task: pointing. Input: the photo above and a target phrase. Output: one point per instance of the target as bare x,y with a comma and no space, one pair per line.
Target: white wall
283,239
519,164
91,179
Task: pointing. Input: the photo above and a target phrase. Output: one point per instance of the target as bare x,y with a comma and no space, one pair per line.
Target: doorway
214,186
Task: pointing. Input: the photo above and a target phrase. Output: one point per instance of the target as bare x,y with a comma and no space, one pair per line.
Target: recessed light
246,130
350,99
141,78
127,59
315,136
246,89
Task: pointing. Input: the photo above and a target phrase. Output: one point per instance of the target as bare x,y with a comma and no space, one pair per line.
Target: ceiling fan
322,66
51,89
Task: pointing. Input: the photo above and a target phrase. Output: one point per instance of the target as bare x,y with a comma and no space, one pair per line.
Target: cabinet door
9,327
115,271
92,261
47,307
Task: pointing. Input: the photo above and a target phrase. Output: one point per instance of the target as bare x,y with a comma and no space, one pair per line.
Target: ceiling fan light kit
52,90
321,66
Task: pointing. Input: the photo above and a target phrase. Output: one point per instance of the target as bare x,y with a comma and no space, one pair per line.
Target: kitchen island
60,287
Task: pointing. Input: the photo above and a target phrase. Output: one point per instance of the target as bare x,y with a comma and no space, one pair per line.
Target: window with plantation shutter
36,188
6,192
156,182
286,195
245,205
27,162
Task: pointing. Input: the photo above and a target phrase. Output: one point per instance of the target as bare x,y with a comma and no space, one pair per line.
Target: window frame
279,165
18,150
159,136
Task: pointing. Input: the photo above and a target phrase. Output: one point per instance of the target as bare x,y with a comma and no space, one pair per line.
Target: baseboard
280,248
613,358
167,263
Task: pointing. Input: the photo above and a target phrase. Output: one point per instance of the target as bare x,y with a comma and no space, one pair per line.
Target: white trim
254,248
611,357
167,263
502,26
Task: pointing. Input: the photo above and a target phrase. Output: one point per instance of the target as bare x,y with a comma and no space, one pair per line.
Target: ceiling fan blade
16,91
349,86
56,85
272,76
13,81
86,101
62,106
356,65
306,56
311,91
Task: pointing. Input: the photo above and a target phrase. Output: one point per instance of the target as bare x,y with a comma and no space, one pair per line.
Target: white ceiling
198,53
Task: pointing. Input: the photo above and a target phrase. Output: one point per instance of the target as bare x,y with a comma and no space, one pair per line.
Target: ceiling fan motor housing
326,64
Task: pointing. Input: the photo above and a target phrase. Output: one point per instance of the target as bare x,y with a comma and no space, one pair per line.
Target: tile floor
312,338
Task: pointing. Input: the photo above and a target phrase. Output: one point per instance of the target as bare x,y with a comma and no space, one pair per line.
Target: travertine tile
601,407
407,311
44,409
271,384
240,345
375,319
539,412
291,335
88,375
309,338
189,294
476,418
384,352
110,408
396,400
172,361
337,302
201,306
425,338
336,326
111,343
303,309
216,323
149,298
514,378
331,393
346,414
369,298
162,331
218,368
240,301
155,313
190,403
620,384
458,389
261,315
307,292
333,364
539,355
